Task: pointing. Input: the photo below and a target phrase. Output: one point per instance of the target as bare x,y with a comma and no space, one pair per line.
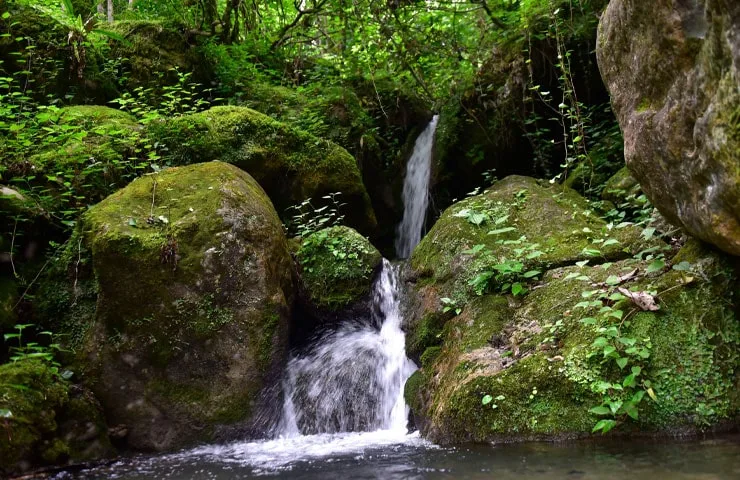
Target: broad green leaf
486,400
604,426
622,362
499,231
611,241
682,267
600,410
656,266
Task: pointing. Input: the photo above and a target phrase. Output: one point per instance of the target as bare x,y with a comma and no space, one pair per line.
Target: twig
12,248
154,192
31,284
77,268
380,102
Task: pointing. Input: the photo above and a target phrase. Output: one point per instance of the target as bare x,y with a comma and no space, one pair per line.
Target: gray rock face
673,70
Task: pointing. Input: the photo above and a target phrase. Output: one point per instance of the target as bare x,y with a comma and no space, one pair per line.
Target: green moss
644,105
538,400
427,333
87,157
33,394
337,266
622,189
430,355
290,164
193,284
413,389
128,235
551,219
501,347
490,313
94,116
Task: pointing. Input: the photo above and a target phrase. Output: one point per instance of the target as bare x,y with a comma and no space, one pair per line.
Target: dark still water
392,455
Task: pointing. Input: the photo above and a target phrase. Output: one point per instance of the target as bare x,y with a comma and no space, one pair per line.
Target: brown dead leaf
643,300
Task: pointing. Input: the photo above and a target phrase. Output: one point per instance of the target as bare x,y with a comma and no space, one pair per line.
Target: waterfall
416,192
352,379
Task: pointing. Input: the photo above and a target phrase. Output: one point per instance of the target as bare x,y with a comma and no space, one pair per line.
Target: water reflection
393,456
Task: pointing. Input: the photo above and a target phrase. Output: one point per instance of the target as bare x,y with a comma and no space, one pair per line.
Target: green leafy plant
308,218
20,349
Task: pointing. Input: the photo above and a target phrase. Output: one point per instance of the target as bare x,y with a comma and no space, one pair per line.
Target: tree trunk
101,9
110,11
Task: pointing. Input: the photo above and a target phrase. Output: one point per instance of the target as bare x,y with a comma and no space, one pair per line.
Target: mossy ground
521,212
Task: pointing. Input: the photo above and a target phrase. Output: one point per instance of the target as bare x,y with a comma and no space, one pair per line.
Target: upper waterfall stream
416,192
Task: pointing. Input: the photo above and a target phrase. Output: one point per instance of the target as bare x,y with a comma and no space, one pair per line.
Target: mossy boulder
46,420
517,219
526,350
87,161
337,267
529,368
155,51
673,71
621,188
191,292
88,153
291,165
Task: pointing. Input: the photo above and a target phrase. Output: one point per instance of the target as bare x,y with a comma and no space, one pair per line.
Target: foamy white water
416,192
278,453
352,379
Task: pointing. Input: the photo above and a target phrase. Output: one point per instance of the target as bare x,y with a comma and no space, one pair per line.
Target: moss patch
42,418
337,266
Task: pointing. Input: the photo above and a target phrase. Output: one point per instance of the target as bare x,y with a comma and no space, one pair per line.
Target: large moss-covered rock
291,165
46,420
673,70
536,361
190,297
527,352
155,52
518,219
337,267
87,163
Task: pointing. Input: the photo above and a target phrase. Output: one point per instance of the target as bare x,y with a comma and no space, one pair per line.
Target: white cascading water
351,379
416,192
345,392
